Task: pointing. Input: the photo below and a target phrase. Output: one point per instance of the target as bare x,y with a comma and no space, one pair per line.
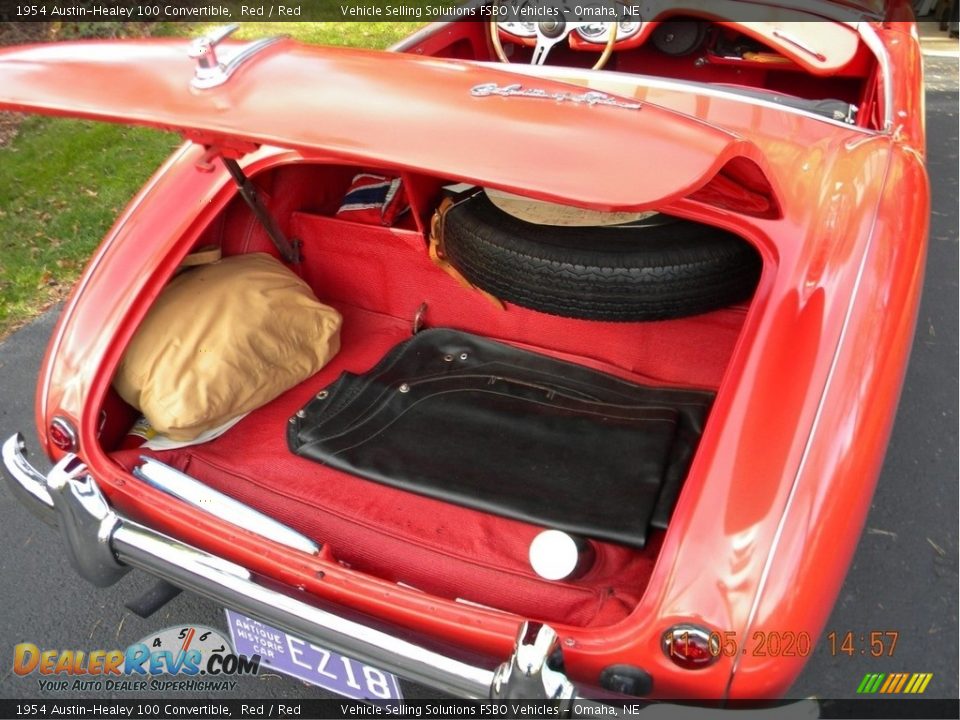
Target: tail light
63,435
690,646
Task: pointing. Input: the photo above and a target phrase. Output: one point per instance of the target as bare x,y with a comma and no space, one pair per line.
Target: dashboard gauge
679,37
515,9
599,32
519,29
596,31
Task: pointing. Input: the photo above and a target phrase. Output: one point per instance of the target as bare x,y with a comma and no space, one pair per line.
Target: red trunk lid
384,108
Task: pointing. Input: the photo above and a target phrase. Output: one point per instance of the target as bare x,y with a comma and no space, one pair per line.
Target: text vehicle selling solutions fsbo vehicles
534,358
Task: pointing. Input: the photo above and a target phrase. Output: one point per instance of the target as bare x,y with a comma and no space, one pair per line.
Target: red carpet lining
378,280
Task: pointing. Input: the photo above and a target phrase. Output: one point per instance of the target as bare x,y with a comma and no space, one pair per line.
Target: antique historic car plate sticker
290,655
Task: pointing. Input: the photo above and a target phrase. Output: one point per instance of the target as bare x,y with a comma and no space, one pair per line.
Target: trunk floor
442,549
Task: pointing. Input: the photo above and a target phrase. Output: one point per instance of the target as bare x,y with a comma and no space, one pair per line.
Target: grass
63,182
356,34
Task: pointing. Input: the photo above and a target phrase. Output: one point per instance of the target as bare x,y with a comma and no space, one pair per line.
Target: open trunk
377,278
760,138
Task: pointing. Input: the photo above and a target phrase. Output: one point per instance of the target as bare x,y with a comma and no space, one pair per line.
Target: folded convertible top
492,427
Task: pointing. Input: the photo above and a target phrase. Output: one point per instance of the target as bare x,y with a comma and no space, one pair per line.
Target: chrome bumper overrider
102,545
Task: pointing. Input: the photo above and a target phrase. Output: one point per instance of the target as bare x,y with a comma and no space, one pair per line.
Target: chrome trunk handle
211,71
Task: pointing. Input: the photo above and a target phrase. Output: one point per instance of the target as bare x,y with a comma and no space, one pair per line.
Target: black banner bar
166,709
230,11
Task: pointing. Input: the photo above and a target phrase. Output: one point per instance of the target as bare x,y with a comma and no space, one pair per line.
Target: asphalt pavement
903,578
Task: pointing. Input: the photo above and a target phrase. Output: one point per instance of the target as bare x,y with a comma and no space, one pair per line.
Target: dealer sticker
311,663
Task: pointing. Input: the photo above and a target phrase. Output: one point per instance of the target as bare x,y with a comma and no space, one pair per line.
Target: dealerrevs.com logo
181,658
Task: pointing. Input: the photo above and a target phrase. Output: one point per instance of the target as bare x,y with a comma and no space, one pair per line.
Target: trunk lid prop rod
289,249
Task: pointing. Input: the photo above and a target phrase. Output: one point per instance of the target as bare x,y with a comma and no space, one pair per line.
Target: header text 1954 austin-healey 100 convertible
547,359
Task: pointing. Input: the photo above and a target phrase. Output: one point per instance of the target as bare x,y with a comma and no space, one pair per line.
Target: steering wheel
548,34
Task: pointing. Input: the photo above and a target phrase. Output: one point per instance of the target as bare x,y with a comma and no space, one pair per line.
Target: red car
621,312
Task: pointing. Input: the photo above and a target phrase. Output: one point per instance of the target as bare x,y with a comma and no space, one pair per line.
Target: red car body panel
774,503
359,109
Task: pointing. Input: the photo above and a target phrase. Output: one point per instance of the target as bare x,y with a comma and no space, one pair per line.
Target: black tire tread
616,273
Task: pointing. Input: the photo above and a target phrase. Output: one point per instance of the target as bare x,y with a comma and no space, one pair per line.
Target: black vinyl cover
490,426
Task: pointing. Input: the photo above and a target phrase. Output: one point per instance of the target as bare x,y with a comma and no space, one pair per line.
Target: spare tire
653,270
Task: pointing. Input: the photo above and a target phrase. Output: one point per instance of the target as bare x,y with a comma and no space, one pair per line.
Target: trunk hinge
289,249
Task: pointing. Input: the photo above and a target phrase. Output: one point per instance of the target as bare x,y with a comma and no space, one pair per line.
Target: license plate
284,653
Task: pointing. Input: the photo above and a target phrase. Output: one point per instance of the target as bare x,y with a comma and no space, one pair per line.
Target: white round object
555,555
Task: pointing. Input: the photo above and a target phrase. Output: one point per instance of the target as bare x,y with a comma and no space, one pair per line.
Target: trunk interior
377,277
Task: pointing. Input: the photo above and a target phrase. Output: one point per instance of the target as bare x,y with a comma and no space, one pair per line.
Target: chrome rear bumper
102,545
